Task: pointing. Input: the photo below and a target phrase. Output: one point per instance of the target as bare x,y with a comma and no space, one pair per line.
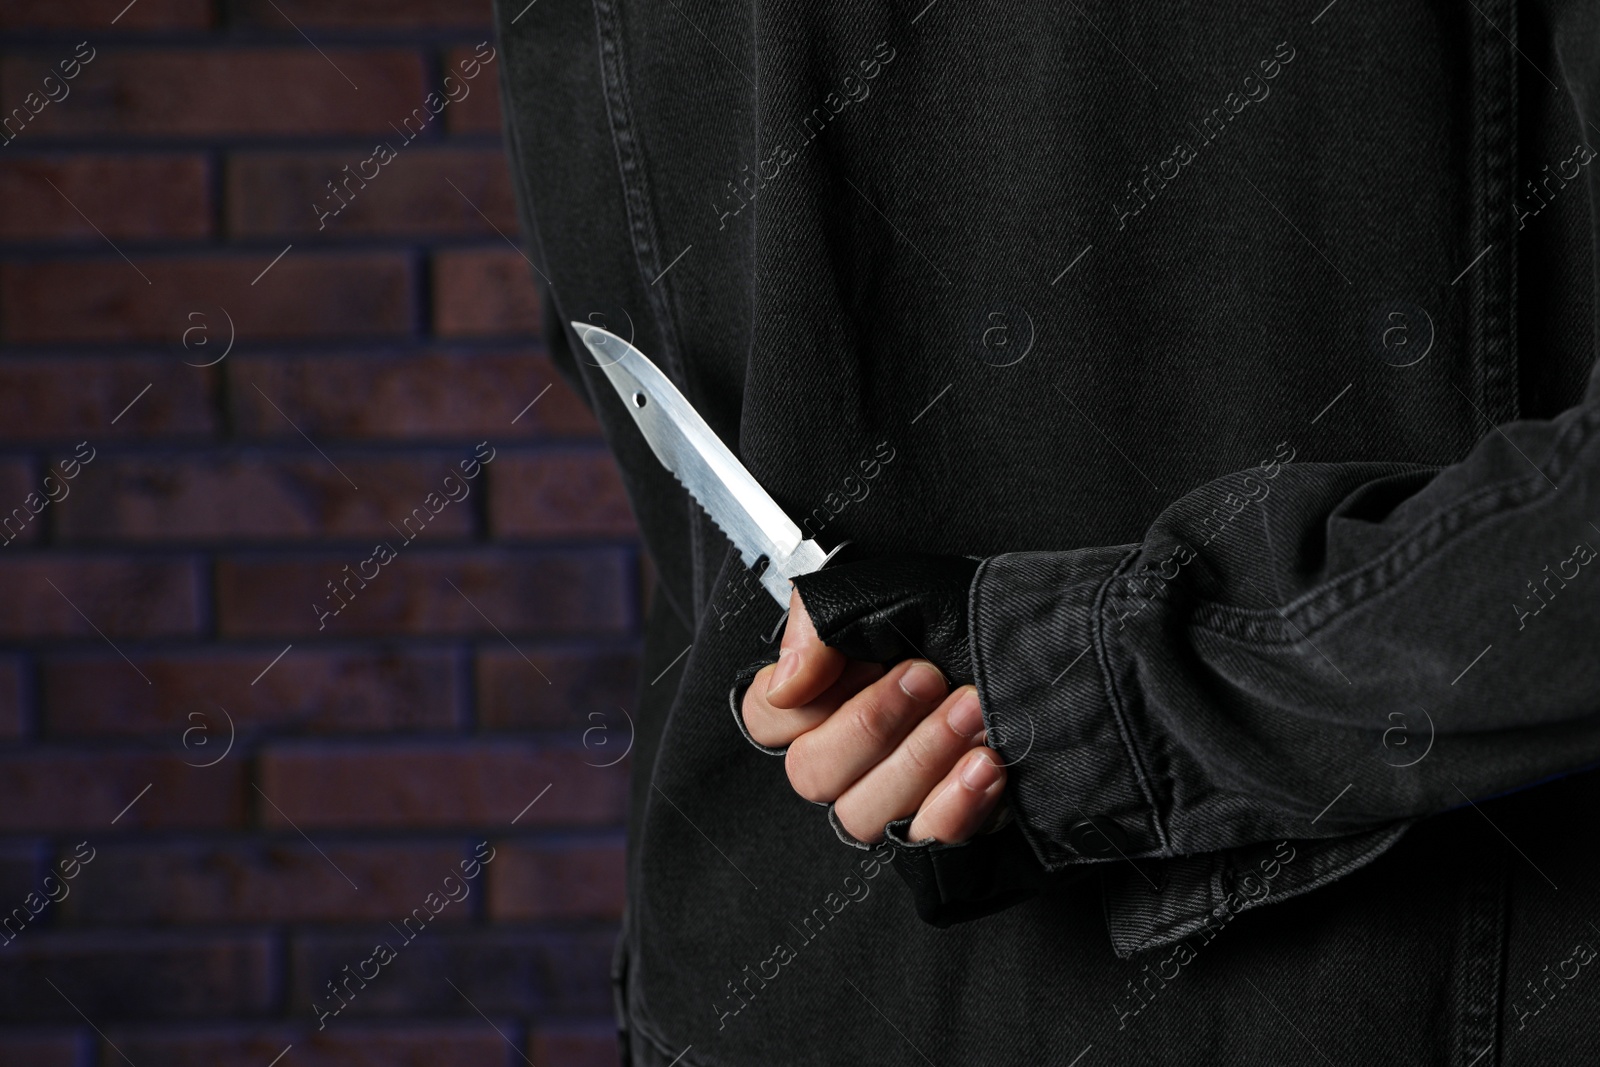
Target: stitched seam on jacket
1322,607
1114,701
1044,845
1480,966
644,240
1497,97
1323,870
1494,336
527,219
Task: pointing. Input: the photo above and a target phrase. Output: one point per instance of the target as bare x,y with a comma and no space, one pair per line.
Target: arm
1300,651
1293,630
1315,653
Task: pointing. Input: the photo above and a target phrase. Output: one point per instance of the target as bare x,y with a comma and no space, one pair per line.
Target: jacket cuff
1157,903
1044,663
1038,652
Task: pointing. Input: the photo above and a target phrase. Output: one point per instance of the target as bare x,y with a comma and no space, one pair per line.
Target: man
1208,395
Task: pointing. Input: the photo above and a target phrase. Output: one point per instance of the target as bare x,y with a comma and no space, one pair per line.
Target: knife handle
783,619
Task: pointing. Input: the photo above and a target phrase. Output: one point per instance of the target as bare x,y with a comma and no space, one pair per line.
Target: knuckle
806,772
924,756
875,718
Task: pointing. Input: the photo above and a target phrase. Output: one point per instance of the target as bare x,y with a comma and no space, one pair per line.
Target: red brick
17,480
135,977
480,112
586,691
97,16
504,973
407,397
559,495
582,881
294,91
43,790
261,498
120,597
368,14
574,1044
71,399
459,784
272,194
61,1048
519,592
484,293
260,882
22,870
13,713
309,690
393,1044
306,294
138,196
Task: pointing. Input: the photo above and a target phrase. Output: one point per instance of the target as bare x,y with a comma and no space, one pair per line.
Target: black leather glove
892,608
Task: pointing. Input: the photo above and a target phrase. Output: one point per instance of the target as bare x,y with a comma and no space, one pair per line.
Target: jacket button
1101,839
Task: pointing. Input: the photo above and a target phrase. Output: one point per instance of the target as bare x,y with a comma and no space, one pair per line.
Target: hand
880,743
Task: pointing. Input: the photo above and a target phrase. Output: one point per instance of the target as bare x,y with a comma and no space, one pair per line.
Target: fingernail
788,664
979,774
966,718
922,681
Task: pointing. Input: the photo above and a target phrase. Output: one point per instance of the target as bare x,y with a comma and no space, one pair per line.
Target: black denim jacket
1253,348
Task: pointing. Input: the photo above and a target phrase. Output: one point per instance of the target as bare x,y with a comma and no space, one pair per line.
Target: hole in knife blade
638,400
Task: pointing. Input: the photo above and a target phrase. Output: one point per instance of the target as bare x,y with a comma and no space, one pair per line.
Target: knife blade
706,467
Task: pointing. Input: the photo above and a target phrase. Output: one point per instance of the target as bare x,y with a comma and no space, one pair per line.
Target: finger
824,762
896,787
777,727
957,809
805,666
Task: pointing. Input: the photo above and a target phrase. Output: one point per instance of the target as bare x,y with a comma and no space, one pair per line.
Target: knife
696,456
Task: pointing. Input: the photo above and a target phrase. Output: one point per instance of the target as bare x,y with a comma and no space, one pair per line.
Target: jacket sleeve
1318,653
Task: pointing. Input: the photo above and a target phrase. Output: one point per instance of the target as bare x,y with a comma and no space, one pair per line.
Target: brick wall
253,776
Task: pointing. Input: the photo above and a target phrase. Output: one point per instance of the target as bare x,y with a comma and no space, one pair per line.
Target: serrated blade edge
706,467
